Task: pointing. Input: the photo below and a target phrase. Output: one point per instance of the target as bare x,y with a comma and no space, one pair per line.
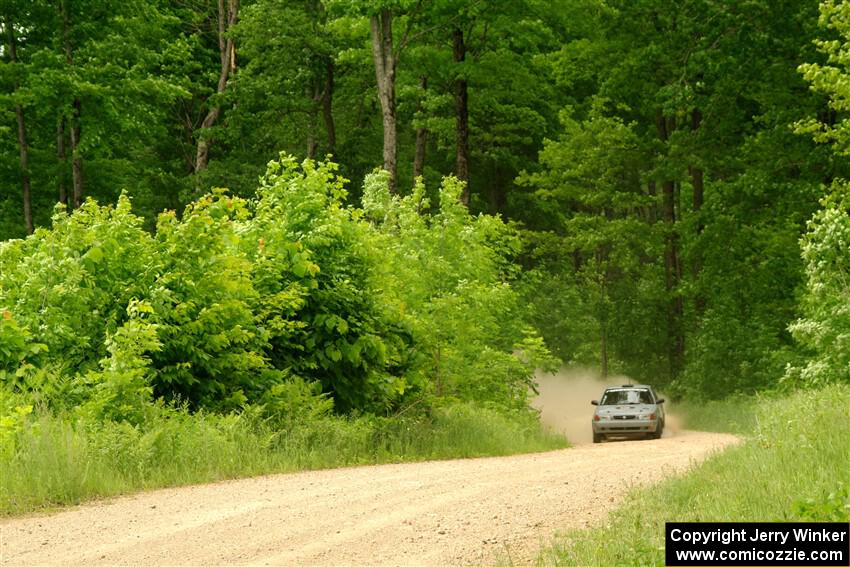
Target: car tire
659,431
597,437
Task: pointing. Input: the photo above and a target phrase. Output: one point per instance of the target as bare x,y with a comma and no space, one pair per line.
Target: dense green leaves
279,302
678,190
71,285
661,173
824,330
445,276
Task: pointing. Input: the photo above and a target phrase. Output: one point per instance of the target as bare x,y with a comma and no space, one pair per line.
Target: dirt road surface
461,512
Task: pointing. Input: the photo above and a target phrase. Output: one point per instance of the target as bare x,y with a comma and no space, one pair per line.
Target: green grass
49,460
795,466
732,415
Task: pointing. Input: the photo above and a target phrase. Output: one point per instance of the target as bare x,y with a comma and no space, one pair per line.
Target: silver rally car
628,410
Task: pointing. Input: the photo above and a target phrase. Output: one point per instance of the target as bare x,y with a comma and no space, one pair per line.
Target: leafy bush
223,344
70,286
120,391
824,330
17,349
213,346
344,338
831,507
446,277
291,304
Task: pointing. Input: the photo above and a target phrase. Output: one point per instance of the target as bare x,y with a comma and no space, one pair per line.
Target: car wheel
597,437
659,431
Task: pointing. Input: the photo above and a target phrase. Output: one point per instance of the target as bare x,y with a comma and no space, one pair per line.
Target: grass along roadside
55,461
793,467
736,414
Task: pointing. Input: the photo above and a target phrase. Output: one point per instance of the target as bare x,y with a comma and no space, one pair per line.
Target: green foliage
676,192
12,423
659,218
291,302
16,348
123,73
445,277
238,329
828,77
593,259
212,346
70,286
346,342
832,507
655,170
825,323
824,329
50,460
121,391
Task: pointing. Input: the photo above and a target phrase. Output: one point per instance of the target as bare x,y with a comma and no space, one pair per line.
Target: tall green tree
12,20
92,81
710,92
822,328
227,14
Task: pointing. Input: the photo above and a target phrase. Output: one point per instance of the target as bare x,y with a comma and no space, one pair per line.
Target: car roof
630,387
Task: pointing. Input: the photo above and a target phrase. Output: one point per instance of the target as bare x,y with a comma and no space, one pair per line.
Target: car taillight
595,418
651,416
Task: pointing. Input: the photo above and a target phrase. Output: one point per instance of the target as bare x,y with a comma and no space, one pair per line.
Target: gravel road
434,513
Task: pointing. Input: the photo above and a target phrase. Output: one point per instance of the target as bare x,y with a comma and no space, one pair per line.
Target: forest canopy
354,206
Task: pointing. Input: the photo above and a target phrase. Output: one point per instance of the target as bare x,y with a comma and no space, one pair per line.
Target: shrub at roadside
267,334
824,329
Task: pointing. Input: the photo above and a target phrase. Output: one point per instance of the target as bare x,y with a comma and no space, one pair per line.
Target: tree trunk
76,159
421,137
652,209
75,129
604,350
312,143
672,272
22,133
603,253
698,182
312,118
672,268
25,175
61,159
497,193
697,175
697,179
438,371
327,107
462,116
385,68
227,17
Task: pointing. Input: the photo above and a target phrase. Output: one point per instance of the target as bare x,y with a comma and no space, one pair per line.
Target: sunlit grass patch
55,460
736,414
